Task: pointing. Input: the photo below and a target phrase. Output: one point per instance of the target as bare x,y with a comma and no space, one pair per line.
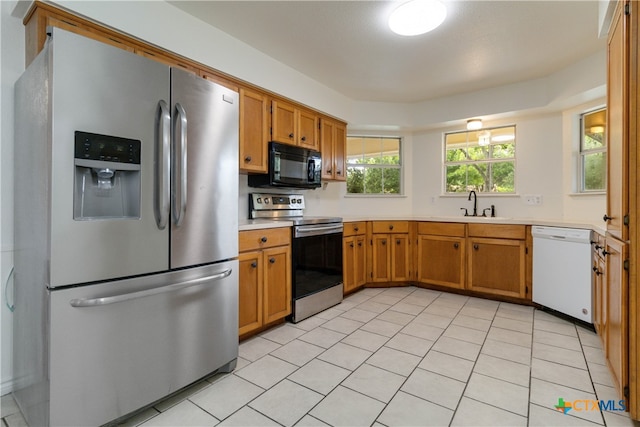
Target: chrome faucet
475,202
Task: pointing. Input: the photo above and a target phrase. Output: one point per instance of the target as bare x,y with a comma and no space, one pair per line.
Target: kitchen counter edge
261,224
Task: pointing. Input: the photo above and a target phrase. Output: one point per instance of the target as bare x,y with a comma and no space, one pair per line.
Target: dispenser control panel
105,148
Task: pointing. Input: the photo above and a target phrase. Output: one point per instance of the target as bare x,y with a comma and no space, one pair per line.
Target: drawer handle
356,229
263,239
247,159
391,227
290,135
605,252
272,260
606,218
456,245
304,138
254,264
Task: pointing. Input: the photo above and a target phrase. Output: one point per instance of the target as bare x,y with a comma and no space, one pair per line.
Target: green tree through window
482,160
374,165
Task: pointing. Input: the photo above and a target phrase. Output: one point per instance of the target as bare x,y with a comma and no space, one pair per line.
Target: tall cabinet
620,296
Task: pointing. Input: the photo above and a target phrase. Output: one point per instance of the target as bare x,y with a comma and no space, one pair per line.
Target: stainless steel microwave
290,166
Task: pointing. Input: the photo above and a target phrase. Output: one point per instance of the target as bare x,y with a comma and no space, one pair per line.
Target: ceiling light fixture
474,124
417,17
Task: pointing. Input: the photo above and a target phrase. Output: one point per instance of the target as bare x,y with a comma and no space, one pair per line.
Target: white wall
535,107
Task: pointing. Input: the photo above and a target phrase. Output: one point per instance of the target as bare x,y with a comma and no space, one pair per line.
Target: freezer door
119,346
205,128
100,89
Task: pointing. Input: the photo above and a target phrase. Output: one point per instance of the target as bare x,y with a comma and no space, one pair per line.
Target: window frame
583,153
399,166
513,159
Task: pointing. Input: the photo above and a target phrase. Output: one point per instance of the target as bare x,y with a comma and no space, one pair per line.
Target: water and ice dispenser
107,177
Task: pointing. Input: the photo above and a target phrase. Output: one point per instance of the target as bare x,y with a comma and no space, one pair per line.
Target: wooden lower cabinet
616,316
391,258
264,278
355,262
497,266
441,260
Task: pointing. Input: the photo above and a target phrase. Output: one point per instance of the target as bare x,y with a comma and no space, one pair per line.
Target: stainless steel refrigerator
126,198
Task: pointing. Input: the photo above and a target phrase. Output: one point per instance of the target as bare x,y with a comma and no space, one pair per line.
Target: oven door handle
314,231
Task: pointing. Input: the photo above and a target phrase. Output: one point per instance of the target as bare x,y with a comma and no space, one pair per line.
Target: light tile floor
401,357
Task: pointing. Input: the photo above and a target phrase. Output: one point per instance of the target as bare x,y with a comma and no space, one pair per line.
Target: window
374,165
593,151
482,160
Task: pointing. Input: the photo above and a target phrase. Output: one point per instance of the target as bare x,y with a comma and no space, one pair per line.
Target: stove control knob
299,200
266,200
259,200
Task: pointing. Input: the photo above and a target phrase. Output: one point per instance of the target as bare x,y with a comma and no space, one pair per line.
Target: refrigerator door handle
96,302
179,158
163,164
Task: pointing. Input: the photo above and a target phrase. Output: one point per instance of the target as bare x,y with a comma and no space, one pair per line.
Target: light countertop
260,224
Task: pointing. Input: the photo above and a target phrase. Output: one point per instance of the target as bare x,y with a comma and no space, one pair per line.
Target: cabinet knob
254,264
456,245
355,229
263,239
606,218
304,138
359,243
247,159
397,241
350,245
476,247
605,252
272,260
290,135
384,242
390,227
339,172
328,170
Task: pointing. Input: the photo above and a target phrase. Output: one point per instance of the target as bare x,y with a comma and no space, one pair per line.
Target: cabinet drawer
441,229
498,231
354,228
257,239
390,226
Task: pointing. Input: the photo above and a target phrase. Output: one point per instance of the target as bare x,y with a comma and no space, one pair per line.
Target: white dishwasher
562,270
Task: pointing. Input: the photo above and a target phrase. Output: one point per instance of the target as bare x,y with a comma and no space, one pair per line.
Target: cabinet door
339,153
277,283
400,265
617,300
327,137
349,263
598,288
381,252
617,131
250,292
360,261
254,131
441,260
283,121
497,266
308,130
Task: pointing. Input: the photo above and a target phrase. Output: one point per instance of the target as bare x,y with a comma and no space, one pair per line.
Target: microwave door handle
163,163
311,169
180,173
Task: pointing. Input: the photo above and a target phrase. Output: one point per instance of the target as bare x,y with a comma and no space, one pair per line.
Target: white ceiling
347,46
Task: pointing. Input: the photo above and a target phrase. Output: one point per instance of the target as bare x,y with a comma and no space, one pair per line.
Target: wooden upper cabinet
307,130
283,122
618,89
293,125
254,131
333,139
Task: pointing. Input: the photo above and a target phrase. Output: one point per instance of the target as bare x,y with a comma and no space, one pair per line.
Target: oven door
317,258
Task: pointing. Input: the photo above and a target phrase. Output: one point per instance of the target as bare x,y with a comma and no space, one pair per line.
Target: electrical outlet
433,200
532,199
